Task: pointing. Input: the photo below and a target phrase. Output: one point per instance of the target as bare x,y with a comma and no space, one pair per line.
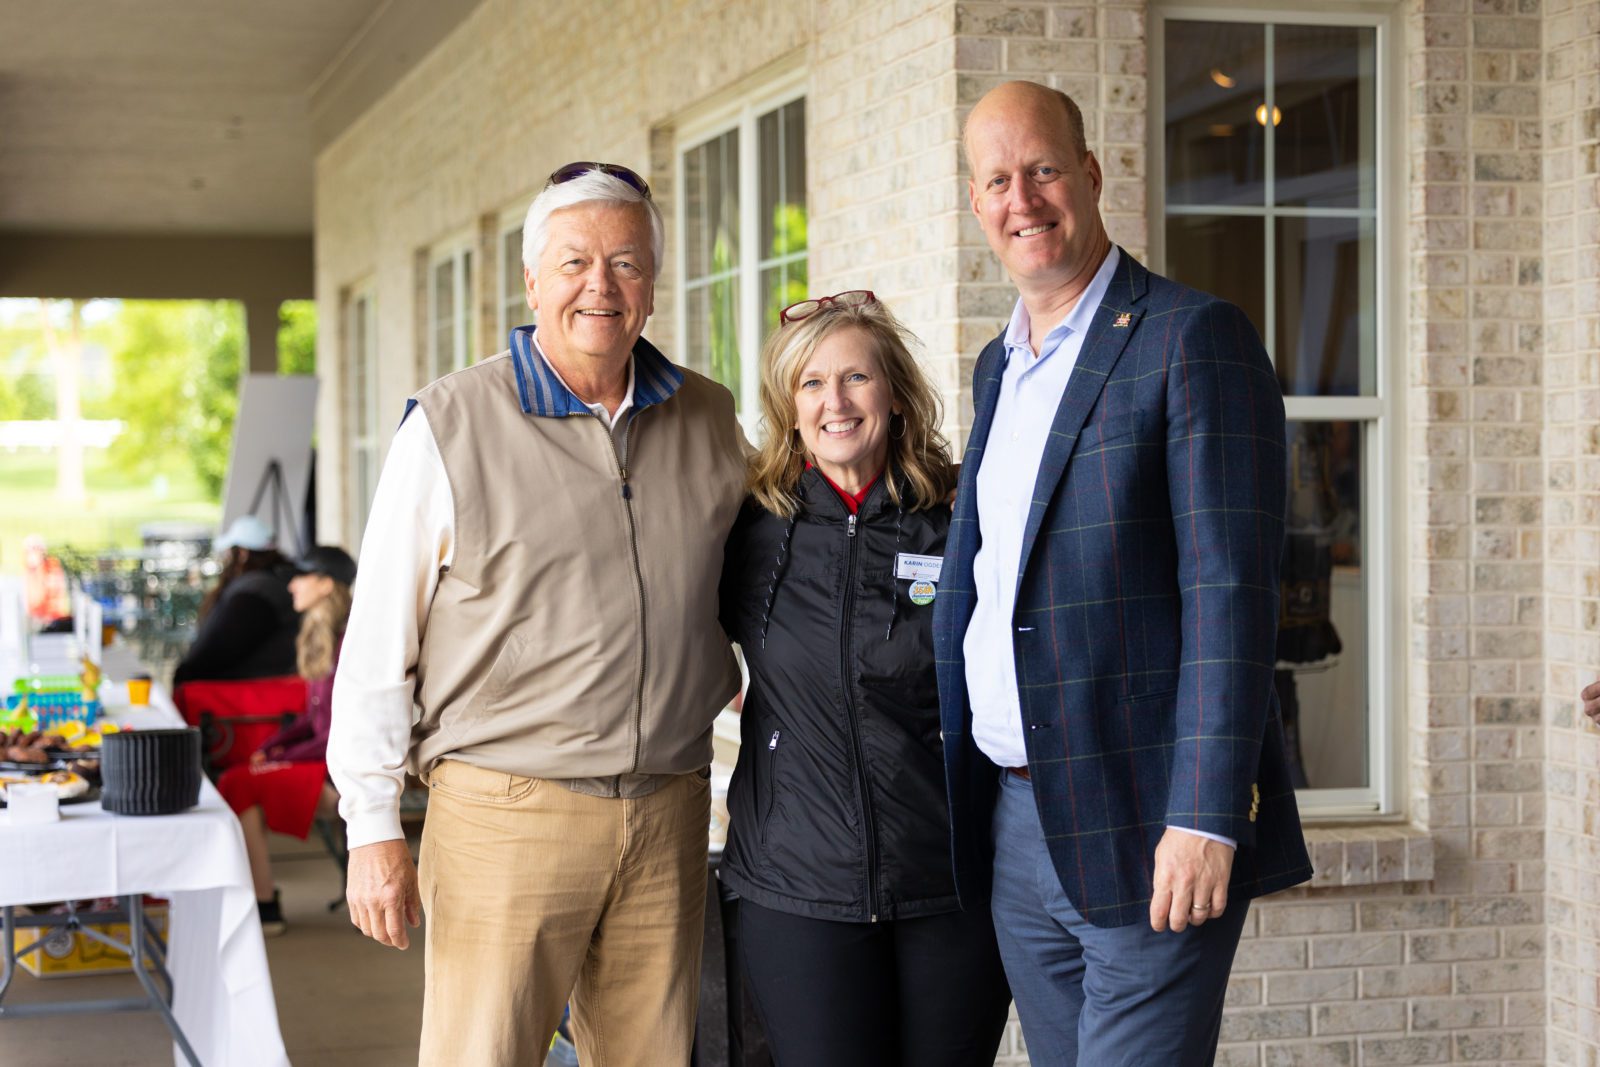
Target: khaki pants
535,894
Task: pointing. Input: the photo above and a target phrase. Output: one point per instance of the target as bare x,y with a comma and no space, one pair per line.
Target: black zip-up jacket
837,804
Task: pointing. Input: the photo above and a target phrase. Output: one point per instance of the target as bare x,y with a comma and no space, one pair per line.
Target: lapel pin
1123,320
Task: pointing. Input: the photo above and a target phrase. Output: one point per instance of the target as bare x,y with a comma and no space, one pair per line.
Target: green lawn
111,516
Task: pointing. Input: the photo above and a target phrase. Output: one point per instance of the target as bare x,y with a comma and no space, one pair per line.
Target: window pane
359,422
783,180
723,343
711,205
513,290
468,311
364,486
444,310
1222,255
781,286
1215,81
697,331
1326,79
1322,630
1326,282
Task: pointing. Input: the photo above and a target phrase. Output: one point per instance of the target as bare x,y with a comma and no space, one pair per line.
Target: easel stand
280,516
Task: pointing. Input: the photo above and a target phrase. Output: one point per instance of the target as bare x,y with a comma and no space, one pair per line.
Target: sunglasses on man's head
806,308
565,174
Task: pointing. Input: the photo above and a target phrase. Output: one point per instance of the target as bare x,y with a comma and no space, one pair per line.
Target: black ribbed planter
150,772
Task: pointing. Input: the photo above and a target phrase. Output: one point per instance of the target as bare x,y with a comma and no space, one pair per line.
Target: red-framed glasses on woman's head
806,308
562,175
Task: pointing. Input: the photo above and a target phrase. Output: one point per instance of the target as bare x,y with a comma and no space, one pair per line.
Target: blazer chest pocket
1114,432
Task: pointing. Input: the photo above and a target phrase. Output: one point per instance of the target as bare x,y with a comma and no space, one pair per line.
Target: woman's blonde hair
321,627
919,455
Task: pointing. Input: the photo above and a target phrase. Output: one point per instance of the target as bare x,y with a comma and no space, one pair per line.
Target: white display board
272,431
13,617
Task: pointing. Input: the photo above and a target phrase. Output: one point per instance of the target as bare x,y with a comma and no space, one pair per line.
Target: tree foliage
297,337
176,384
26,391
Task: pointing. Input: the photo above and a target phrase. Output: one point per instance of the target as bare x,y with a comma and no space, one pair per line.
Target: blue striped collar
541,392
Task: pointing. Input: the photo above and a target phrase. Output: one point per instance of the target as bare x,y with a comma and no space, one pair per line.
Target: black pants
927,992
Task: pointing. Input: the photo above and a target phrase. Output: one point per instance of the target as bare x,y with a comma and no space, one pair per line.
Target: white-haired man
539,583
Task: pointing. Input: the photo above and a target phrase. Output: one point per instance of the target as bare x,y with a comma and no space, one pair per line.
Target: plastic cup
139,691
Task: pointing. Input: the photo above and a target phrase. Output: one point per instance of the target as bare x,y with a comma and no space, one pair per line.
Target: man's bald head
1030,100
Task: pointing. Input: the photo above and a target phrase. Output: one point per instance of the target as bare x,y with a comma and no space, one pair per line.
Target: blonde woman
856,948
286,781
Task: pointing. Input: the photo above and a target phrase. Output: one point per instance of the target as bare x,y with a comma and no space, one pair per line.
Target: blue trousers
1087,994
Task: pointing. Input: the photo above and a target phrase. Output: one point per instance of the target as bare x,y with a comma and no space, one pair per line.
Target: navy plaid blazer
1147,607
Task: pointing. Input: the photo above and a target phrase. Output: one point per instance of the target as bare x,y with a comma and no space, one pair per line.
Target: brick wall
477,125
1572,522
1096,55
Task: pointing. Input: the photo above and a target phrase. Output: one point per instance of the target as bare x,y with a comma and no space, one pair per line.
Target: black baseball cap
331,560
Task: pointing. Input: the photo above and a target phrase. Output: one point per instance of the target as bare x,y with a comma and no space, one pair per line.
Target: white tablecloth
222,989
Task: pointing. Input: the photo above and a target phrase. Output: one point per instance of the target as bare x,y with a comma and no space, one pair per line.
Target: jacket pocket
767,791
504,671
1141,698
1112,430
507,661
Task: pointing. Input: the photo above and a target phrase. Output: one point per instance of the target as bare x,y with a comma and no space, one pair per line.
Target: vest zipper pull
627,492
772,746
850,529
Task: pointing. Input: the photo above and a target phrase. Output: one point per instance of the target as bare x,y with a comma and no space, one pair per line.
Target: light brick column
1475,409
1096,55
1572,522
883,159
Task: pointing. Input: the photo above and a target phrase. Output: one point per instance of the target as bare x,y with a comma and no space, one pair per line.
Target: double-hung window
512,302
361,403
741,249
1269,180
452,326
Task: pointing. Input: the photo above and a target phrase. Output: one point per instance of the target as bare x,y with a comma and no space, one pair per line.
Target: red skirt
286,793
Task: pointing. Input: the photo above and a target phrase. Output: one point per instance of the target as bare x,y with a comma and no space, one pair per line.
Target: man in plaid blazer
1106,619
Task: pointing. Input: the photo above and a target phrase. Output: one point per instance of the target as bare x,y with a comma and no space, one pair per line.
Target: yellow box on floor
71,953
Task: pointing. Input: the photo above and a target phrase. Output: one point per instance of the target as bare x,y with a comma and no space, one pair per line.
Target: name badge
918,568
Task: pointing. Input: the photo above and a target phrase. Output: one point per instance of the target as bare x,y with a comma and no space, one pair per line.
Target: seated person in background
285,783
248,622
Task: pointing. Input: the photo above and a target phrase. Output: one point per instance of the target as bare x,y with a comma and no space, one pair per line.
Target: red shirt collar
853,501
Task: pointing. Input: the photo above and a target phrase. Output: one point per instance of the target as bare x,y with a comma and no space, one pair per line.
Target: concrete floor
342,999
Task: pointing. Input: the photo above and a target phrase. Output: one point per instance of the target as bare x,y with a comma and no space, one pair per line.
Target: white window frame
742,114
361,352
456,249
511,221
1383,504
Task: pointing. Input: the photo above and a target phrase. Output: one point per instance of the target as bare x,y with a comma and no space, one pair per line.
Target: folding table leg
136,939
8,932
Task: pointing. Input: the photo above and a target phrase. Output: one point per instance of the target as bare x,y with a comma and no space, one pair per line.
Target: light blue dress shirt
1030,392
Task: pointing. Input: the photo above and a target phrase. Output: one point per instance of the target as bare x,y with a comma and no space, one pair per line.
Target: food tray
52,709
48,683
